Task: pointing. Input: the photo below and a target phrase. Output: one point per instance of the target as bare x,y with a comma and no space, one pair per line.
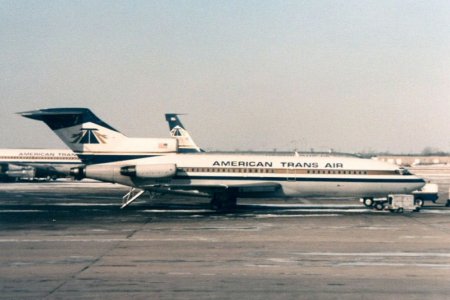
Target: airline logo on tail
89,136
177,131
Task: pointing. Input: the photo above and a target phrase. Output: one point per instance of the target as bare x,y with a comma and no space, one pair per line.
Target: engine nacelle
107,173
149,171
78,173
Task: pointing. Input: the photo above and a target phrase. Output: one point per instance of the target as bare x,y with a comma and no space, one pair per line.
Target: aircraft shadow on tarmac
21,213
24,214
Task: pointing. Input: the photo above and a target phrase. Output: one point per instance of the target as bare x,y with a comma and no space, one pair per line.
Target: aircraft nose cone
420,182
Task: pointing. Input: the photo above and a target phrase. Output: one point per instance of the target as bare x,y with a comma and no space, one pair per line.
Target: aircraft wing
251,190
259,187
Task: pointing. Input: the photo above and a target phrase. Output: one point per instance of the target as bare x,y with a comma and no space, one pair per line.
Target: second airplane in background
185,142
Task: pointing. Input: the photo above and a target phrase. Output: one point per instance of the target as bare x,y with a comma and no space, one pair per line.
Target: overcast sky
348,75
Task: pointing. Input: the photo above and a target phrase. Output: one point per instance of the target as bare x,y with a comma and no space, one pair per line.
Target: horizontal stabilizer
58,118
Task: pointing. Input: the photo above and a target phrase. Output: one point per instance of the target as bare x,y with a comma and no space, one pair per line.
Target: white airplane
37,163
223,177
185,142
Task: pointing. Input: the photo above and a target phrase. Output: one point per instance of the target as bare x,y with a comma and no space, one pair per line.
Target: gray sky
349,75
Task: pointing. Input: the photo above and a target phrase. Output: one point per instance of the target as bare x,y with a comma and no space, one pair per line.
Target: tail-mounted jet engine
115,173
125,175
149,171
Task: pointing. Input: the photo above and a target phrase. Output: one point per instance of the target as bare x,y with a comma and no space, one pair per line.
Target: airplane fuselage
270,175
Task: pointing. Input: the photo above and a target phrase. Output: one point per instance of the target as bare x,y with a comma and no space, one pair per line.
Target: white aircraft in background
37,163
223,177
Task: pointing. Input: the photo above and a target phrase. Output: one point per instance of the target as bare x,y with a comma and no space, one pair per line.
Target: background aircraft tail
185,142
93,140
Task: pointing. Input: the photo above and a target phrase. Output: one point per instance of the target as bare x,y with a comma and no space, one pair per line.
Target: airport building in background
414,160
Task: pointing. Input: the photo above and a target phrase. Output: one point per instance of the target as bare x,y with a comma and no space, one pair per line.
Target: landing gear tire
379,206
222,206
224,201
368,202
215,205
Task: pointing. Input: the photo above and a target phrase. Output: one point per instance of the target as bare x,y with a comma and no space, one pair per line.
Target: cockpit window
403,171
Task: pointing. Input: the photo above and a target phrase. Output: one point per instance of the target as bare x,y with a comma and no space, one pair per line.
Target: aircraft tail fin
185,142
93,140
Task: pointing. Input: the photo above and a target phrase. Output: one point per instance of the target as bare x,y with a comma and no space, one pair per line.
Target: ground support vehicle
428,192
448,200
394,203
402,203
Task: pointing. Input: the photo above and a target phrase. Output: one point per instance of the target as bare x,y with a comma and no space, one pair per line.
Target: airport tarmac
69,240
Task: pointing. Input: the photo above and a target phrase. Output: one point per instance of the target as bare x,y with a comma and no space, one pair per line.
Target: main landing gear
224,200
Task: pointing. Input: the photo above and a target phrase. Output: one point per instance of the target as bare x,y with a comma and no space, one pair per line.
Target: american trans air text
269,164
